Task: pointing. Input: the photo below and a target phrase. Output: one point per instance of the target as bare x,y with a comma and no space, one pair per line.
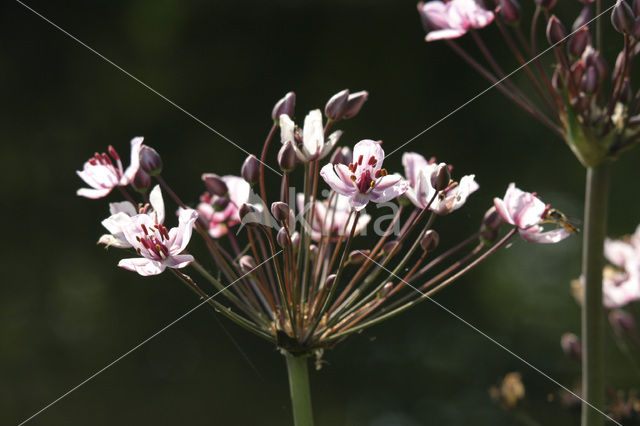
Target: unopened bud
390,246
215,185
251,169
594,58
556,79
282,238
355,101
385,290
358,257
583,18
313,251
150,160
335,107
441,177
571,345
626,94
249,215
247,264
331,279
589,81
547,4
622,322
510,11
295,240
286,105
622,18
430,241
287,157
620,63
280,211
342,155
579,42
492,219
141,182
556,31
220,203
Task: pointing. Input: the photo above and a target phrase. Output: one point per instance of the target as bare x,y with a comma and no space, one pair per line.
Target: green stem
595,215
300,390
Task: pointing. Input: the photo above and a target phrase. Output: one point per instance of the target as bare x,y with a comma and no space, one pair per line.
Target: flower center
365,181
154,241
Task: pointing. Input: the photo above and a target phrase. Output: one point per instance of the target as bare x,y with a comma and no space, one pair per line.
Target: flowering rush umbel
308,267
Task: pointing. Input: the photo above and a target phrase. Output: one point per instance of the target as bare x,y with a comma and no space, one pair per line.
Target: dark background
66,310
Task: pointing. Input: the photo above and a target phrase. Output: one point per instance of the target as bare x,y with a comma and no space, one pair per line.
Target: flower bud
141,182
547,4
385,290
247,264
335,107
622,18
220,203
215,185
295,240
390,246
280,211
593,58
556,79
492,219
285,105
556,32
571,345
354,104
249,215
282,238
287,159
622,322
583,18
618,68
251,169
589,81
150,161
579,42
430,240
441,177
342,155
358,257
626,94
510,11
329,281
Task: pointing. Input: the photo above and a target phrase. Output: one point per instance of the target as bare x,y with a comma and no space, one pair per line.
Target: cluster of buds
593,109
288,269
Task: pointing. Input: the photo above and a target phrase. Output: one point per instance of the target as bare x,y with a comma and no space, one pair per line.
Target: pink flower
121,214
454,18
418,172
160,248
621,285
311,144
527,212
364,180
102,175
222,212
335,219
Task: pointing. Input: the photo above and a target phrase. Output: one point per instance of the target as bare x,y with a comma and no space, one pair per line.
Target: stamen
353,177
383,172
113,153
360,160
372,161
144,229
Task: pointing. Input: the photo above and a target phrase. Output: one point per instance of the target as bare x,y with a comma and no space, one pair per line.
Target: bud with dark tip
150,161
622,18
510,11
220,203
280,211
141,182
249,215
547,4
287,157
430,241
385,290
295,240
251,169
282,237
594,58
556,31
583,18
571,345
579,42
335,107
331,279
247,264
285,105
492,219
441,177
215,185
358,257
622,322
390,246
626,94
354,104
589,81
342,155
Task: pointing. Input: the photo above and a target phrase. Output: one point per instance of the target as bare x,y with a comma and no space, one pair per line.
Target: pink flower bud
282,238
571,345
492,219
331,279
220,203
622,322
286,105
358,257
251,169
215,185
141,181
280,211
295,240
342,155
247,264
579,42
386,289
620,62
287,159
589,81
335,107
510,11
150,161
583,18
249,215
441,177
556,32
623,18
355,101
430,240
390,246
594,58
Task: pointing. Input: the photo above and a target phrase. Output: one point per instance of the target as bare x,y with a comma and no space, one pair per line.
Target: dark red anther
92,161
432,160
113,153
144,229
372,161
107,160
360,160
365,182
378,174
144,243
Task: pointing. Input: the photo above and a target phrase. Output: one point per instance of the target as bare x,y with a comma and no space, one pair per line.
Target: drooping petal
331,141
129,174
413,163
179,237
142,265
548,237
358,201
381,195
178,261
445,34
338,177
457,196
93,193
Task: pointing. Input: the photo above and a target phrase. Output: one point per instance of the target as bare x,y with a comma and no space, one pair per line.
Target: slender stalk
595,214
299,389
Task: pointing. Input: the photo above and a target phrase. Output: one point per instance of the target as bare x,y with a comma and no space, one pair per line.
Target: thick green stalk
300,390
595,216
